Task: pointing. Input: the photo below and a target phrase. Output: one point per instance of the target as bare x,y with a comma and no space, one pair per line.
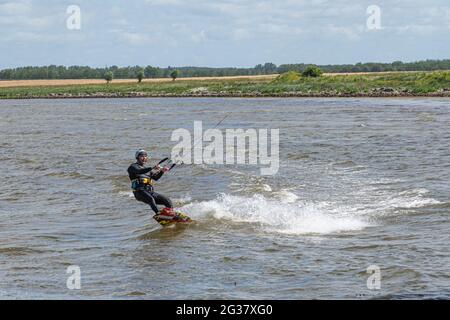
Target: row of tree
84,72
109,76
426,65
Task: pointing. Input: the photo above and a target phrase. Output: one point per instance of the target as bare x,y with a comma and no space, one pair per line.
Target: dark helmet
139,153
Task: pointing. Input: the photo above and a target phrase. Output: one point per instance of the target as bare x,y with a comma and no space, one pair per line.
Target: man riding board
142,178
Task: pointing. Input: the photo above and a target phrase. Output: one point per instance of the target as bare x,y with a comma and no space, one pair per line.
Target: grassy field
65,82
376,84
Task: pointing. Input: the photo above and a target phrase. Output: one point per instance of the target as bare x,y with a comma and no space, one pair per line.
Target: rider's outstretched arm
135,169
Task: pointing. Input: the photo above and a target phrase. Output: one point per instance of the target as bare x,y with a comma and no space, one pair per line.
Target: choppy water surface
362,182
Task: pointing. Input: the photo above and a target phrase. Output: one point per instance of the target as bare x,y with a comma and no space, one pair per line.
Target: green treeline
85,72
426,65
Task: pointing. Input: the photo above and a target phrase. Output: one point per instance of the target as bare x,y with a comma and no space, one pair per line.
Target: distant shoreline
286,95
70,82
358,85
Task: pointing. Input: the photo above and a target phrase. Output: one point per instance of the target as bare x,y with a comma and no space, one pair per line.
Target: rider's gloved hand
165,169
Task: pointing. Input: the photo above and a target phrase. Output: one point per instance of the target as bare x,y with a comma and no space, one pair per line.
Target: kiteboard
167,216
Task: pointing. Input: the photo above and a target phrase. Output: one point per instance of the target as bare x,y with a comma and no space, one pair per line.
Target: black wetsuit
146,193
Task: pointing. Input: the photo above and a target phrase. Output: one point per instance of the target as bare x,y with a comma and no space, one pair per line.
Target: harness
142,184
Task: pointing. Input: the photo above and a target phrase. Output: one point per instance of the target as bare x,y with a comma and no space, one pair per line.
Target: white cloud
165,2
233,9
24,23
21,16
133,38
15,8
415,29
241,34
35,37
199,37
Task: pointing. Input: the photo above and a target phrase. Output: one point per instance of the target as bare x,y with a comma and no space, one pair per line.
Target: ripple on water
135,294
19,251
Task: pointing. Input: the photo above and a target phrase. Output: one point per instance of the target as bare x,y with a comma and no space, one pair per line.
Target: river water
362,183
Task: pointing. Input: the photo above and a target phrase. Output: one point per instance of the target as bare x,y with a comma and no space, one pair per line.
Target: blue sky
221,33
